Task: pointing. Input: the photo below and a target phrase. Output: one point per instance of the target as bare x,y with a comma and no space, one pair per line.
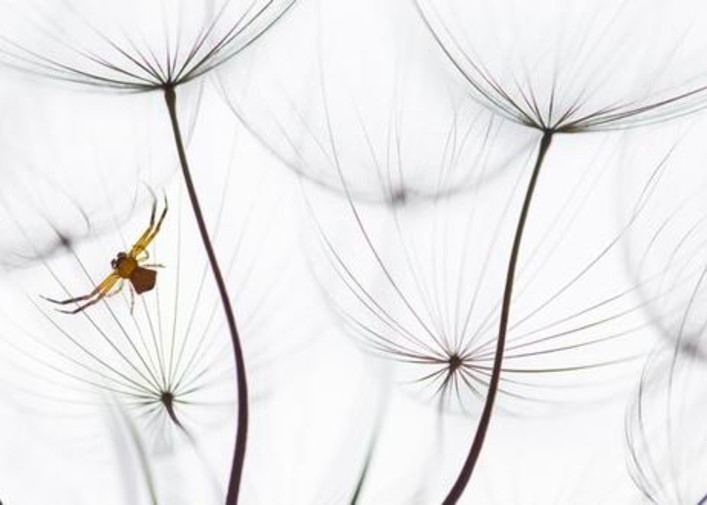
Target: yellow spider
125,266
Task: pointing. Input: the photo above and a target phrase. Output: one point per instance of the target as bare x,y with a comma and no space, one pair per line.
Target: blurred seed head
665,428
356,84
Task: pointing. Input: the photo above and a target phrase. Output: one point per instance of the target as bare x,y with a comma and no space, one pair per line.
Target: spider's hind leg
132,299
100,290
117,289
106,290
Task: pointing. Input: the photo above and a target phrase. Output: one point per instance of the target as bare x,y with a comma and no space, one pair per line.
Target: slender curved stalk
365,470
143,460
242,427
168,403
465,475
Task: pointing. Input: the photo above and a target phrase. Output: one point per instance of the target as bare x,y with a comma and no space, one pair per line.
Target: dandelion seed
132,47
106,52
165,361
664,428
424,294
668,242
578,68
565,88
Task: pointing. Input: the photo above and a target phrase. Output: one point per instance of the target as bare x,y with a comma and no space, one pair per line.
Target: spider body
126,265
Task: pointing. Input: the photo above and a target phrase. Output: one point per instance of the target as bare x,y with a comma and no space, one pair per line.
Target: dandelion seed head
664,249
370,102
132,46
582,67
399,197
419,286
664,429
164,357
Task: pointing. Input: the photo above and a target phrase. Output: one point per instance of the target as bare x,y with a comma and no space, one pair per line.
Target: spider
126,265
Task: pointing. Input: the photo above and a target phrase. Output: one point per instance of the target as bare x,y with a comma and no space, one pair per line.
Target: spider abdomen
143,279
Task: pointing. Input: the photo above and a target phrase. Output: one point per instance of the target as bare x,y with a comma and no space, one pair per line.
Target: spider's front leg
148,235
139,246
97,294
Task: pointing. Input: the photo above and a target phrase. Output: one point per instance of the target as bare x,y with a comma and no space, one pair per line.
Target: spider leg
153,265
83,307
149,234
154,212
105,285
157,227
137,248
162,216
117,289
132,299
141,242
102,294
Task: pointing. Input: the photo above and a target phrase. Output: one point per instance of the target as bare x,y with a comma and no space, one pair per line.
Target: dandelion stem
242,427
465,475
365,470
167,400
143,460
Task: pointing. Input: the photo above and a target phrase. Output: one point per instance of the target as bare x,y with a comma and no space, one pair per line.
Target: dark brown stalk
465,475
167,400
364,471
234,482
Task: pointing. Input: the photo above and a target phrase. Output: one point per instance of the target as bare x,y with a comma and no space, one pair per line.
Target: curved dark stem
143,459
234,482
465,475
167,400
365,469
